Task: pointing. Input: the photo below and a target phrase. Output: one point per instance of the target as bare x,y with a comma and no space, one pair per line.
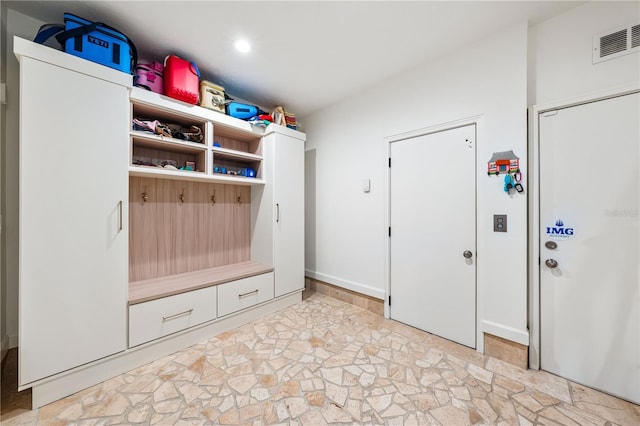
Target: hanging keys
508,182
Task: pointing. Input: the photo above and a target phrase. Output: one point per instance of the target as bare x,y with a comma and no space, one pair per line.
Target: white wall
487,78
560,64
25,27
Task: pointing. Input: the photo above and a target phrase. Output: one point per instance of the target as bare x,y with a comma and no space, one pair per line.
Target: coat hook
239,199
213,197
145,197
182,196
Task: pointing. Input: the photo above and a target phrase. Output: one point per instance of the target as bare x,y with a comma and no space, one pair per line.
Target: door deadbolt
467,254
551,245
551,263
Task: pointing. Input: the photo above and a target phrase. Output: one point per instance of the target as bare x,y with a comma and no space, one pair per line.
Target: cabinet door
73,219
288,191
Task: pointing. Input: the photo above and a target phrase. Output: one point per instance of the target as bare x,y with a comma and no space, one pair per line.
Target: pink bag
149,76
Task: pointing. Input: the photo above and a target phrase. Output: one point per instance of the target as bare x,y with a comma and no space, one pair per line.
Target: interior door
433,233
589,244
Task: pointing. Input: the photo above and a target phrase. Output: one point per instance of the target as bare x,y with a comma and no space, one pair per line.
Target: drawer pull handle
177,315
248,294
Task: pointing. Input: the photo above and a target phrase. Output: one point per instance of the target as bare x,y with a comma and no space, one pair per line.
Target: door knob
551,263
467,254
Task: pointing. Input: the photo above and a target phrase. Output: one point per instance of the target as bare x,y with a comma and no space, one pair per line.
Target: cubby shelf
235,155
149,140
241,147
231,126
160,173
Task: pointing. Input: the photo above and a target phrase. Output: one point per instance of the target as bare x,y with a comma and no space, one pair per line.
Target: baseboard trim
69,382
506,350
349,285
508,333
371,304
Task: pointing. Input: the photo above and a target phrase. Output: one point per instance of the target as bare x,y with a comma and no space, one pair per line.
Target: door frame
534,202
478,120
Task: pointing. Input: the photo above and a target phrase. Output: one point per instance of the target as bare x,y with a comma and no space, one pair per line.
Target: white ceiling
306,55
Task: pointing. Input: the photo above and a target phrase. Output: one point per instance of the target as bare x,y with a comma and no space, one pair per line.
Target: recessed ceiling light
243,46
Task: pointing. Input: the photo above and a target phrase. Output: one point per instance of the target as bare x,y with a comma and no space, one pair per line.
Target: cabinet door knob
277,213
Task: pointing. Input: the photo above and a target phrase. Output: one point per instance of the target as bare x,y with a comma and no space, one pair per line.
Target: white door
288,169
433,228
589,244
73,231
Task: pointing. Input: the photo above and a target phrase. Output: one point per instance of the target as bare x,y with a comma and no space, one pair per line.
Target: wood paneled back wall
168,236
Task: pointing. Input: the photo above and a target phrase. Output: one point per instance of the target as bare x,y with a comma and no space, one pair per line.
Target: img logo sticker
559,230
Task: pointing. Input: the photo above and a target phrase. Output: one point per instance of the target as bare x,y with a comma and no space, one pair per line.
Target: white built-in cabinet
286,155
73,214
122,262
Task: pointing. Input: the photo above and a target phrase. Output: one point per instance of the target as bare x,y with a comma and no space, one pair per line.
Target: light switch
499,223
366,185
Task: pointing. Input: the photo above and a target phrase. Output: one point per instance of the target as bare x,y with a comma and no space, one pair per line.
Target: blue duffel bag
94,41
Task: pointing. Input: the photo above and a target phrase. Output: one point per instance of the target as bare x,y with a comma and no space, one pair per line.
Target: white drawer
236,295
157,318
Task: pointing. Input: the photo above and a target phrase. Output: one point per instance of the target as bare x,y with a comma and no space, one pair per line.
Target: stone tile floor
324,361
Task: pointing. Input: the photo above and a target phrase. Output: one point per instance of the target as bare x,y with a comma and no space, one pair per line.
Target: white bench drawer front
236,295
157,318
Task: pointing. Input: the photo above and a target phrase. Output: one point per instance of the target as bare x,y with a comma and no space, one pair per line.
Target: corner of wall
3,126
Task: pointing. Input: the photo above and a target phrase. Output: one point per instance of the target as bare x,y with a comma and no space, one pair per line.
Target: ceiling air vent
616,43
635,36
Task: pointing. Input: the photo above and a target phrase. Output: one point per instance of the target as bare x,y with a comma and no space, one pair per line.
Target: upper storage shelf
208,145
234,126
